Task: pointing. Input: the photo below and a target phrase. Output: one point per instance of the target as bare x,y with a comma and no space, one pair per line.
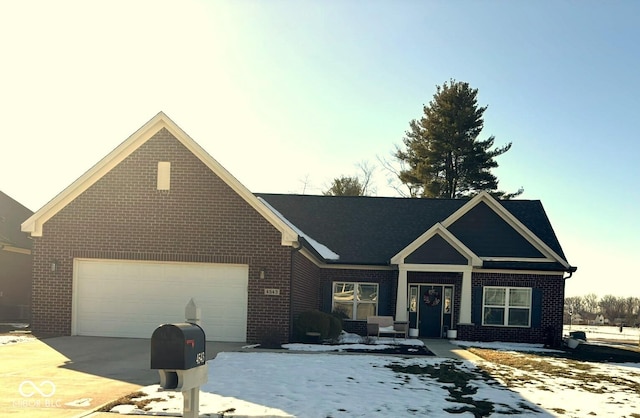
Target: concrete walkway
444,348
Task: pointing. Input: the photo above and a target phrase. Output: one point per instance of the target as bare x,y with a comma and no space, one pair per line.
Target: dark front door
430,311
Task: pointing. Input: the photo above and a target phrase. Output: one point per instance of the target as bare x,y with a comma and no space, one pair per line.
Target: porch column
401,295
465,298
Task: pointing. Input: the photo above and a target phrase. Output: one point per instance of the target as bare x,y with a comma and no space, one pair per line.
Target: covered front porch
434,301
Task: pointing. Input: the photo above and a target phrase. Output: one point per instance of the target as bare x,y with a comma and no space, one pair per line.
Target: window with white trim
506,306
355,299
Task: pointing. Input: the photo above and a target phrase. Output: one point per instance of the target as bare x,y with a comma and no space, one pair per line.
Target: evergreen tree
346,186
444,157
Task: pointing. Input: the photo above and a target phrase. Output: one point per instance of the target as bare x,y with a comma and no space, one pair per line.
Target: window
507,306
356,300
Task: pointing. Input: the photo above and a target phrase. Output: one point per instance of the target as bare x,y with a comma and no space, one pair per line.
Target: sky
307,381
288,95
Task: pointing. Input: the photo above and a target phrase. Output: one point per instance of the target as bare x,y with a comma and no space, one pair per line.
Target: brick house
15,262
158,221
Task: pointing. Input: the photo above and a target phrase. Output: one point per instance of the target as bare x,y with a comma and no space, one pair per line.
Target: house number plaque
273,292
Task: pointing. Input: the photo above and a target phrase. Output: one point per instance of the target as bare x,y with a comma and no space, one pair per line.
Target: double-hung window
506,306
356,300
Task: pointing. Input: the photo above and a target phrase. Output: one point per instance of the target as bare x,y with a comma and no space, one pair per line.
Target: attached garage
118,298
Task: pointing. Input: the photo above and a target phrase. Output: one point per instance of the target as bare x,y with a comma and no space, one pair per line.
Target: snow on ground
606,333
15,338
316,384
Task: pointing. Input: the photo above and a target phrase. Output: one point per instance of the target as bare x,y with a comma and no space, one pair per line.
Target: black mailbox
178,347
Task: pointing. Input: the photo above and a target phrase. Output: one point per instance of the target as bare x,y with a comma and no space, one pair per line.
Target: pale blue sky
292,93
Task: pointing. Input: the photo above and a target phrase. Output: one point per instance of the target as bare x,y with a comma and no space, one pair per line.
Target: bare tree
612,307
590,302
574,305
393,177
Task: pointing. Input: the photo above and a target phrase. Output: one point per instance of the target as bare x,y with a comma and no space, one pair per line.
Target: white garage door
116,298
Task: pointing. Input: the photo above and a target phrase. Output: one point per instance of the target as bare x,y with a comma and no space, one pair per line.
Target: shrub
316,321
270,338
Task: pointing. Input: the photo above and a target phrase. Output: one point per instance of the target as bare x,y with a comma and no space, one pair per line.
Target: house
158,221
15,262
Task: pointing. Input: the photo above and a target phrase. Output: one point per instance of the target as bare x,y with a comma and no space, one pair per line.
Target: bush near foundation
312,321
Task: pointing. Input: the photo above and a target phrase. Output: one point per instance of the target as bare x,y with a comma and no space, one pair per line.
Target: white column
401,296
465,298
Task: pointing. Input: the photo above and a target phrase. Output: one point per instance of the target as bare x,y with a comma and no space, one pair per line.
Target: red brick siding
122,215
550,330
305,287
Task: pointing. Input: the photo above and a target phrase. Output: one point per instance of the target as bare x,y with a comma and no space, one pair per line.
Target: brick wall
550,329
305,286
123,216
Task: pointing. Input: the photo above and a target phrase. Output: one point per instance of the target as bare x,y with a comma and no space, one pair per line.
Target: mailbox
178,347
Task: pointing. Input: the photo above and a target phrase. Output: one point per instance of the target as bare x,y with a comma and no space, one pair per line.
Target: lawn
508,380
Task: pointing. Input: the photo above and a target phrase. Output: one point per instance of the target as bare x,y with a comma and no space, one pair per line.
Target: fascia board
12,249
437,229
510,219
321,264
443,268
35,223
519,272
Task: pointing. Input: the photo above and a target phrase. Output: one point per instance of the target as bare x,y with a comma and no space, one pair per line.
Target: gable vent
164,175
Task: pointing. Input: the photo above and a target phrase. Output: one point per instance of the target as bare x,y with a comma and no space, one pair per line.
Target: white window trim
355,302
506,306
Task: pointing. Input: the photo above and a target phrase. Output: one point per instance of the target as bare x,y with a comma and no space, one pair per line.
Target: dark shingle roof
371,230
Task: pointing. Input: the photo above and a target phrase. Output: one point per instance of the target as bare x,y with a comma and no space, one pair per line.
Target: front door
430,311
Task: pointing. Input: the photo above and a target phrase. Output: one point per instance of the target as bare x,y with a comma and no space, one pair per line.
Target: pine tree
443,155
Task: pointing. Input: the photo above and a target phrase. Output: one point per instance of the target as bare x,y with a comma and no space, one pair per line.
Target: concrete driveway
73,376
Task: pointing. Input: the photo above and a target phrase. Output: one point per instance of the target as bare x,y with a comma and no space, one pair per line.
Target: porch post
465,298
401,295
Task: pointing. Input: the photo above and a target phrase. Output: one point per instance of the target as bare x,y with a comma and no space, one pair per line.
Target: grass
516,369
461,388
130,400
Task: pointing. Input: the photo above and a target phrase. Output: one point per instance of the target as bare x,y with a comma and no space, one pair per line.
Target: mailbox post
178,352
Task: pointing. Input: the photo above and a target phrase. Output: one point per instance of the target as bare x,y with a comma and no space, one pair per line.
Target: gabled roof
34,224
438,230
375,230
12,214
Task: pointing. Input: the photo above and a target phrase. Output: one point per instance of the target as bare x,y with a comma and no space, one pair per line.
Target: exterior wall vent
164,175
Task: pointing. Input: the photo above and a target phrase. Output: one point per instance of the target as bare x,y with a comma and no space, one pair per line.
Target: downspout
294,249
570,270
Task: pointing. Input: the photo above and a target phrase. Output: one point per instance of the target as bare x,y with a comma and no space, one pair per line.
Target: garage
118,298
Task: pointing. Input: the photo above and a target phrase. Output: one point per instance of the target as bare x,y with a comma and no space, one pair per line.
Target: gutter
570,270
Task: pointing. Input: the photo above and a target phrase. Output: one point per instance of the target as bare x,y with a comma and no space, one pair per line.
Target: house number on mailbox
275,292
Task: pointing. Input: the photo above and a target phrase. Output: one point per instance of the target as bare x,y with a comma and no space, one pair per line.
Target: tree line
617,309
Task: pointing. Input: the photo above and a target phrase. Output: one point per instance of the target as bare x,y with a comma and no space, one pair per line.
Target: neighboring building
158,221
15,262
